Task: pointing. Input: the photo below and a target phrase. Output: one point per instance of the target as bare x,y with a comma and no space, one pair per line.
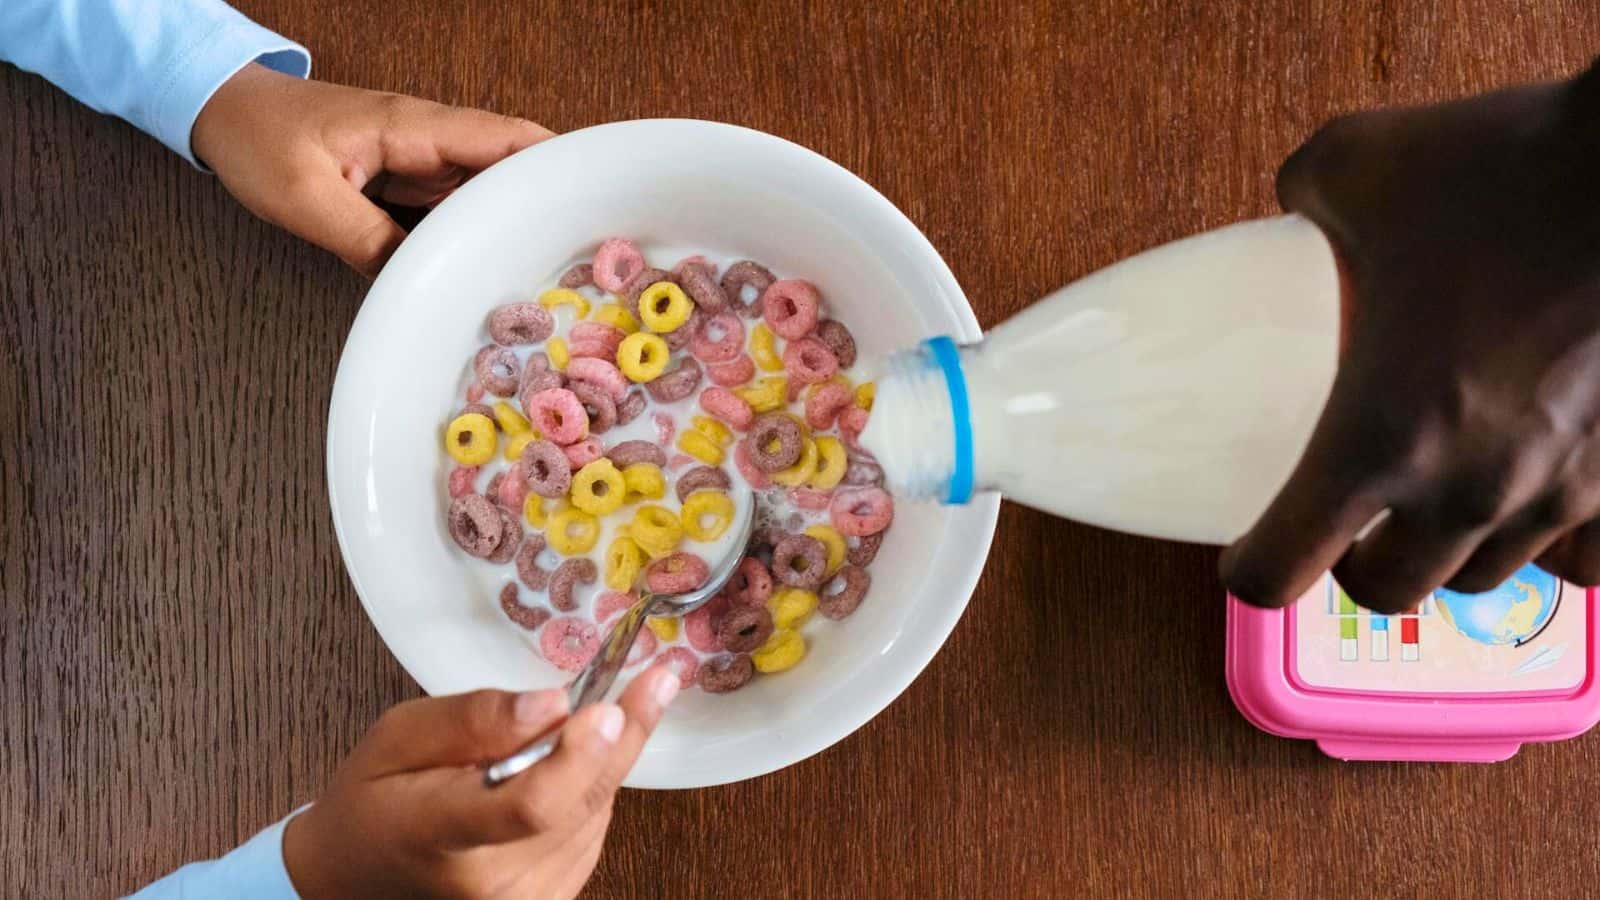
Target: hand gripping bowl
505,234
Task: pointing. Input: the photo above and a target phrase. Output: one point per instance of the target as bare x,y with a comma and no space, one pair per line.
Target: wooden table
182,658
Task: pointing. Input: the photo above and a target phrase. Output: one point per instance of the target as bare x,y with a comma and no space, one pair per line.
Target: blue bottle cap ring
949,360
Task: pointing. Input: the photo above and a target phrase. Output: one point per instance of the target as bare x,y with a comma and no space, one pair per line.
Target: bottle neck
921,425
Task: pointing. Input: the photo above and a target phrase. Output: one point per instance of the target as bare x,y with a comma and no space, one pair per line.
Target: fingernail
666,687
534,706
609,726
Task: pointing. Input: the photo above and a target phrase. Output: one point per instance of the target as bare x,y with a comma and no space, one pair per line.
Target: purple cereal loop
679,338
721,674
616,263
568,576
546,469
536,381
744,628
676,384
762,540
837,336
740,275
710,347
521,323
482,410
580,275
853,582
628,453
528,569
475,524
800,561
770,427
597,403
863,473
702,478
699,281
647,276
510,538
529,617
864,550
630,407
498,370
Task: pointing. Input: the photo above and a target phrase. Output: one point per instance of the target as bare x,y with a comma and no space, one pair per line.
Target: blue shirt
155,63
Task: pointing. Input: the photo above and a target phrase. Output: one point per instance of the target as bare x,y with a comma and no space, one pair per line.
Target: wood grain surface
182,659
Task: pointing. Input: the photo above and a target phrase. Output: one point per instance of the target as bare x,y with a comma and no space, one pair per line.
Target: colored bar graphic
1349,642
1410,650
1380,636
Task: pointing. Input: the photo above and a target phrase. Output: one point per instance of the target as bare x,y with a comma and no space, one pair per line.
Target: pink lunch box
1464,678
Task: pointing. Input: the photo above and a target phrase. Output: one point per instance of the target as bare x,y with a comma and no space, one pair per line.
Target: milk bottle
1168,395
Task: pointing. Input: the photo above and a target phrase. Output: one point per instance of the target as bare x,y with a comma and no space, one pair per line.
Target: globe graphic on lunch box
1513,613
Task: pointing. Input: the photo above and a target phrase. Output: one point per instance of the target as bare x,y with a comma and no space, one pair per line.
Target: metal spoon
597,677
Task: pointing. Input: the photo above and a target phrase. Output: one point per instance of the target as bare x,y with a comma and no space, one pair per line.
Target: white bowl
509,231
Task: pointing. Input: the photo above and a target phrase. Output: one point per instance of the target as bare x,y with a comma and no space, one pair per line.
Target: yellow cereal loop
644,482
791,607
511,421
833,541
572,532
711,428
702,504
656,530
515,445
643,357
598,489
802,470
565,297
831,463
866,392
624,560
666,628
767,394
533,510
470,439
618,317
781,651
764,348
700,447
556,349
664,306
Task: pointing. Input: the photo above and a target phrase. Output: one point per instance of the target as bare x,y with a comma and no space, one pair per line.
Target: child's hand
409,815
300,154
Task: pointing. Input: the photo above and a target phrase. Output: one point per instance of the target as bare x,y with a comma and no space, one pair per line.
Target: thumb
458,730
332,213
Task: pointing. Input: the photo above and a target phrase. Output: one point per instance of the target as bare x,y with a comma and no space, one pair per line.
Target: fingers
598,747
1402,560
419,138
1575,556
1334,492
459,730
329,211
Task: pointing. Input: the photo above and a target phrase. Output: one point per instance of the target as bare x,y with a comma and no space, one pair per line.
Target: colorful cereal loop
643,357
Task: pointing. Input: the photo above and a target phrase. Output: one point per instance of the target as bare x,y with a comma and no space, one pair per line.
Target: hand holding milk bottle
1438,375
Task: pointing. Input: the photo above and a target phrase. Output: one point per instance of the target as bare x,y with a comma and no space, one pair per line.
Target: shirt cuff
211,59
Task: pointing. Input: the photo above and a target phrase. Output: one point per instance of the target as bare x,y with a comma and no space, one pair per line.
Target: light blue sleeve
253,871
152,62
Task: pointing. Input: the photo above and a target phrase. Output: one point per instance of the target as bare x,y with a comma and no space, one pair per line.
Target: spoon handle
589,687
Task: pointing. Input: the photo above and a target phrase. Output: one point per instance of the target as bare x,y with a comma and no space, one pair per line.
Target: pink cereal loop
513,489
590,350
680,461
569,642
682,662
791,308
727,406
810,498
596,331
610,603
851,422
616,263
719,339
676,574
808,361
583,452
558,414
600,372
753,475
699,627
824,404
860,512
665,428
751,583
732,374
462,480
474,392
